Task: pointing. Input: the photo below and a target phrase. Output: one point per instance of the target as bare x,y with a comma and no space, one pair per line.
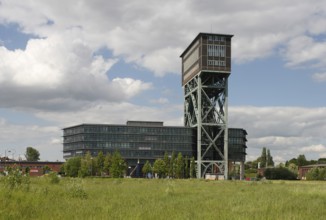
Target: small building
303,170
36,168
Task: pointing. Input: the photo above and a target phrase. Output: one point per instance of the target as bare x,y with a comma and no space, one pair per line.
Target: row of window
127,145
237,133
127,137
235,150
127,130
216,63
216,50
137,154
216,38
141,130
236,140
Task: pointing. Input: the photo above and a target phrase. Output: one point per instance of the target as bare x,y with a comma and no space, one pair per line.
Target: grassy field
96,198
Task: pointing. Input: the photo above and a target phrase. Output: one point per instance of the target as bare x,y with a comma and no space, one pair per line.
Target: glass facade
237,144
140,141
135,141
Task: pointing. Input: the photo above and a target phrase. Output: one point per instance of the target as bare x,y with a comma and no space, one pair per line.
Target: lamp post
13,151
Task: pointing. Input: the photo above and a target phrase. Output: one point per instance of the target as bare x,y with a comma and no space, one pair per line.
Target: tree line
171,166
109,165
288,170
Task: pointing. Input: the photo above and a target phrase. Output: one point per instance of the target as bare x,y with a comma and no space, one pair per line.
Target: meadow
108,198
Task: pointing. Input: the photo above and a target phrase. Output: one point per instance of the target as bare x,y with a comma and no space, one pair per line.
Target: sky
64,63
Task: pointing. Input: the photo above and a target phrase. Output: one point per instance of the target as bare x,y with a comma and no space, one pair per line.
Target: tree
172,165
179,166
263,158
100,163
86,166
269,158
32,154
321,161
316,173
186,173
293,168
159,167
118,165
167,164
302,161
107,163
192,168
72,166
147,168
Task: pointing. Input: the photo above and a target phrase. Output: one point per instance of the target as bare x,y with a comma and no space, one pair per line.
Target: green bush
16,180
53,177
316,174
279,174
76,190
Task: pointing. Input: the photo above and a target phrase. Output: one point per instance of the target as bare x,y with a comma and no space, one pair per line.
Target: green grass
96,198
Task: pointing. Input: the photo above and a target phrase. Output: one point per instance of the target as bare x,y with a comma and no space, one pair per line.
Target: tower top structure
207,52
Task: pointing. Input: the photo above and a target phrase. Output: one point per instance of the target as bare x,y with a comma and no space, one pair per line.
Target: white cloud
60,70
161,101
159,61
130,86
319,77
150,34
314,148
304,50
39,137
113,113
286,131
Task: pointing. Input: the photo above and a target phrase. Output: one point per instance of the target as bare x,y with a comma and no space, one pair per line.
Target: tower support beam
206,66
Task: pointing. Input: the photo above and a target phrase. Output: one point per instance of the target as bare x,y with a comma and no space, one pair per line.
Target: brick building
37,168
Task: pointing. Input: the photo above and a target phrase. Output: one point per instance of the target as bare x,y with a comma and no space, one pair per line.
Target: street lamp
7,158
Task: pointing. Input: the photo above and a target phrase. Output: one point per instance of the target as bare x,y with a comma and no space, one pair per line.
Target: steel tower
206,66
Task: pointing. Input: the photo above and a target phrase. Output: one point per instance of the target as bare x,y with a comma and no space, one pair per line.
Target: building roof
133,124
32,162
313,165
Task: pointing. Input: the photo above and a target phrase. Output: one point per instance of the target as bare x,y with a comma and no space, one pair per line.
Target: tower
206,66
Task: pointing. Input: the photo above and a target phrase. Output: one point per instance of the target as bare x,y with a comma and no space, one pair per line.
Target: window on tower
215,50
215,63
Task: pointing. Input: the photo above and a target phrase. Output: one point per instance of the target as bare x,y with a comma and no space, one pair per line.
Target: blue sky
67,63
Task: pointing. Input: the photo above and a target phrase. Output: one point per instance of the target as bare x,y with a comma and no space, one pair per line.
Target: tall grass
97,198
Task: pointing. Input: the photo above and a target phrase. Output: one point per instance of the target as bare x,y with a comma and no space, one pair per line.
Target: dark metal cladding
207,52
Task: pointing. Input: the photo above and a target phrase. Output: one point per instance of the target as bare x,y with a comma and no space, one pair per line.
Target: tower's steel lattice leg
206,100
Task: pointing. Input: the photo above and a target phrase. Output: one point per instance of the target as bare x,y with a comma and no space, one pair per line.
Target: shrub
76,190
16,180
316,174
53,177
279,174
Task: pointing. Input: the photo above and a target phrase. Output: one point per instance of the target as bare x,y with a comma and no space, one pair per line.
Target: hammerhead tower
206,66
